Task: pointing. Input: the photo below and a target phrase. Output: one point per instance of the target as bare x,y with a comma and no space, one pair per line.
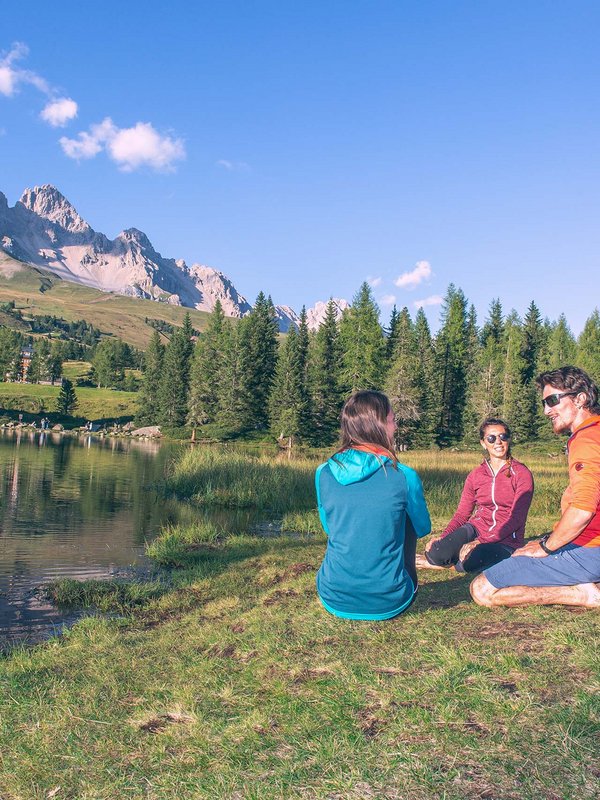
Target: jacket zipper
493,525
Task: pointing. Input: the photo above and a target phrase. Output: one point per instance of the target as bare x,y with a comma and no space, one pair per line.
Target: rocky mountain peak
137,236
49,204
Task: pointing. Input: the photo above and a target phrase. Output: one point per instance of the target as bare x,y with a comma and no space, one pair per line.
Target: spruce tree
207,368
287,395
173,389
258,343
325,379
562,347
532,348
516,405
304,409
487,389
10,353
401,385
231,408
391,336
66,402
588,346
148,400
424,434
38,369
451,355
363,345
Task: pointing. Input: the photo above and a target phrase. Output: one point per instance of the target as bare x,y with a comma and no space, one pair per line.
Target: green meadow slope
37,292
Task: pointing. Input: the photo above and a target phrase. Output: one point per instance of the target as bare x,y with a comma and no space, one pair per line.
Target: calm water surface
73,507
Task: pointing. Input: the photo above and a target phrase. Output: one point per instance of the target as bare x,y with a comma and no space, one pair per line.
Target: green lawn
36,400
227,679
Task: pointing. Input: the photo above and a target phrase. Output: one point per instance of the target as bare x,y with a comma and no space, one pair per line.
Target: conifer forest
243,376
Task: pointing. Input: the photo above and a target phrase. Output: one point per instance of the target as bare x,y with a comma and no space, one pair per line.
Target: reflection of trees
64,485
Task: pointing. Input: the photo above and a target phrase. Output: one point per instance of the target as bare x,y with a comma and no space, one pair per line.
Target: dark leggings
444,553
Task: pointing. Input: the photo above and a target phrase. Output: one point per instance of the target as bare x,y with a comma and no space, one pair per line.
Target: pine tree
10,353
487,389
66,402
325,366
231,409
304,410
110,359
173,388
206,371
562,347
532,347
258,343
363,345
287,396
391,336
38,369
588,346
451,354
424,378
148,400
515,401
401,385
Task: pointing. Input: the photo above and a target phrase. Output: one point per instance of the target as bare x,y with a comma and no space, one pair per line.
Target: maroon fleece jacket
496,505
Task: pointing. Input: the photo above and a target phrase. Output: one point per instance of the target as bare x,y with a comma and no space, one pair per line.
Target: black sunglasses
491,437
554,399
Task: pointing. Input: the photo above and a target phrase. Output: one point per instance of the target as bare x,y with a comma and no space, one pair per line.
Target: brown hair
571,379
363,422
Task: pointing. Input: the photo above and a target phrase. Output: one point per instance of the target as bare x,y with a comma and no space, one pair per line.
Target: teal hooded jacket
366,506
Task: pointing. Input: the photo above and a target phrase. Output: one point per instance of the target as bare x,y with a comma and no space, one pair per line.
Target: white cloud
433,300
233,166
11,76
388,300
410,280
58,112
129,148
374,282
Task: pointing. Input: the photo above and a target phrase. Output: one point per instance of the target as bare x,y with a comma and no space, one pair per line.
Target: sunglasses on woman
491,437
554,399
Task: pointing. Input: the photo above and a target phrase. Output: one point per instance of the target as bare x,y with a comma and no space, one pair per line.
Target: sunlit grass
229,680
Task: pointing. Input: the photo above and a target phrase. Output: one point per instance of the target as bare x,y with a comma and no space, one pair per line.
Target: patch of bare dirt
278,596
162,721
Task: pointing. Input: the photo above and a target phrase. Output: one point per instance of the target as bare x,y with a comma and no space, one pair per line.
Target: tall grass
233,478
212,476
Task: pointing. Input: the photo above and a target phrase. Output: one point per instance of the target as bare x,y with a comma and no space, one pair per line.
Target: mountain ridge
45,230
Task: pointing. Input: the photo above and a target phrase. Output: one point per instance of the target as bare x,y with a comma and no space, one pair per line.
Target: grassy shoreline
230,681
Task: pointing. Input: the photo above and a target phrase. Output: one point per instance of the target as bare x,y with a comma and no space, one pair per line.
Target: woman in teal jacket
373,510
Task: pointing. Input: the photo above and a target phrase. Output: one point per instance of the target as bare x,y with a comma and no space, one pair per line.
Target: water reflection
72,506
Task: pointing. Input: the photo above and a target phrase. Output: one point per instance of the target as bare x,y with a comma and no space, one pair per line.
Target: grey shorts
568,566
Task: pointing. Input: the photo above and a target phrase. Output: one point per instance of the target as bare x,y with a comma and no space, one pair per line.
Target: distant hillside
37,292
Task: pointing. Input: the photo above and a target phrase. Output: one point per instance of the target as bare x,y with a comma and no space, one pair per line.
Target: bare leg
584,595
422,563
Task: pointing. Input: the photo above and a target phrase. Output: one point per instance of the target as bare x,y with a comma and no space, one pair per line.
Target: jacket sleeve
416,507
322,516
584,473
518,513
465,507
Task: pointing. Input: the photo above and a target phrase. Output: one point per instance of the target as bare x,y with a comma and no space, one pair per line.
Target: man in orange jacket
563,566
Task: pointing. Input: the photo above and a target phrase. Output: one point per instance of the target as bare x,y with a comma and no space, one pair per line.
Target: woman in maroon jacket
489,523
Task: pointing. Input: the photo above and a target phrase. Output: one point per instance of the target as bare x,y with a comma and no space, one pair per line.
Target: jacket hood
352,466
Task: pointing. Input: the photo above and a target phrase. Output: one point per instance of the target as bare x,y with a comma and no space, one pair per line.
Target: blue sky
302,147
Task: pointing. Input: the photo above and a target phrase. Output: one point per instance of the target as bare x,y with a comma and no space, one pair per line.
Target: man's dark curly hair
571,379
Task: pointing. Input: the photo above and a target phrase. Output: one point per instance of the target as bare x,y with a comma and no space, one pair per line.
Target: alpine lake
82,507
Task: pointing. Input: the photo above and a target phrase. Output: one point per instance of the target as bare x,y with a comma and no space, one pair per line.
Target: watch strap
544,546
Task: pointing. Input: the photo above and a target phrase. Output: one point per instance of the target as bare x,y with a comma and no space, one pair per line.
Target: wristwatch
542,544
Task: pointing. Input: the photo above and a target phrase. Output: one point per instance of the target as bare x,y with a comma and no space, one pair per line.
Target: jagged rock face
315,316
45,230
